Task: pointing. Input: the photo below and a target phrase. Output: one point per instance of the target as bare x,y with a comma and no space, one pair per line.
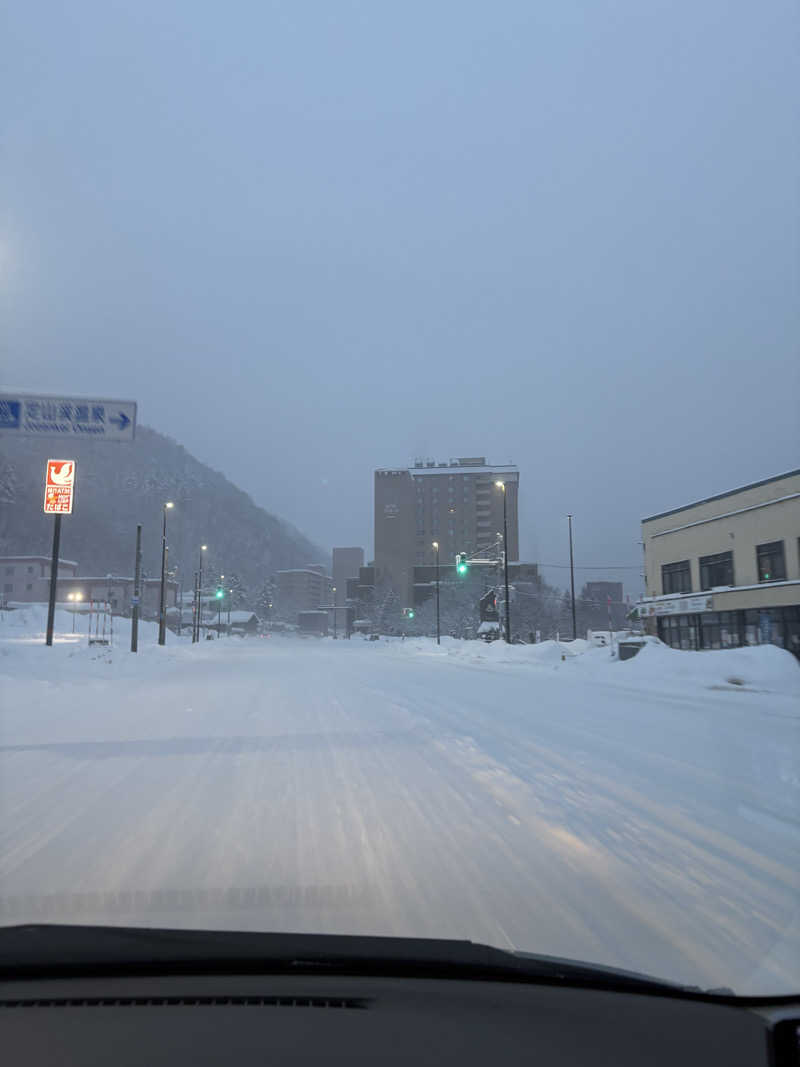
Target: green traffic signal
462,567
220,594
410,613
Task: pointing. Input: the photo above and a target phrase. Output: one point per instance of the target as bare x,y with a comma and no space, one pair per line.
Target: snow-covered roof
721,496
113,578
303,570
456,468
507,469
41,559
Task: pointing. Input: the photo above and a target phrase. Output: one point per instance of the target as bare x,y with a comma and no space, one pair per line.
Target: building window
30,570
9,570
720,629
29,586
8,587
771,562
716,570
676,577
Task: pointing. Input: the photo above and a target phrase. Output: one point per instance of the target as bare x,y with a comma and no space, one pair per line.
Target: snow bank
31,622
765,668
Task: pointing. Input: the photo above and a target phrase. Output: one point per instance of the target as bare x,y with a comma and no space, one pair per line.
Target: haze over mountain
120,485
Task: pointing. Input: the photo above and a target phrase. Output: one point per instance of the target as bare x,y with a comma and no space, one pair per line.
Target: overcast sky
315,238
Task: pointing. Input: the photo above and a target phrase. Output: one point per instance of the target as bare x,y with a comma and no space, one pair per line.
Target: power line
594,567
561,596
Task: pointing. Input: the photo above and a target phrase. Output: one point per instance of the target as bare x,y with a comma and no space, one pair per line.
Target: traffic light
220,594
408,613
462,566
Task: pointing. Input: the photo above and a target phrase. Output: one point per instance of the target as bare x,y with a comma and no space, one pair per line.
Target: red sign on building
59,486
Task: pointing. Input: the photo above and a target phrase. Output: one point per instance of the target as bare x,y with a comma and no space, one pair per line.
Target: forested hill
120,485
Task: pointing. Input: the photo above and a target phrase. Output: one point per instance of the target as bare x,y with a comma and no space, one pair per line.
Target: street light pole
162,614
334,611
438,628
194,608
502,485
73,597
200,593
572,580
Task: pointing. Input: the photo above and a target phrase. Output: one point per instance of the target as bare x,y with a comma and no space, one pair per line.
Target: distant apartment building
603,592
456,504
347,562
301,589
725,571
598,601
26,579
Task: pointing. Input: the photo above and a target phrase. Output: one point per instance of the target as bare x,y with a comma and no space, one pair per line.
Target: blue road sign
23,414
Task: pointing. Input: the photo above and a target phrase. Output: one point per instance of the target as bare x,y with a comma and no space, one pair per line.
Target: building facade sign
687,605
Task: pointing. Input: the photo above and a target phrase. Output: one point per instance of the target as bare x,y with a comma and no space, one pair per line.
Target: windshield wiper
44,950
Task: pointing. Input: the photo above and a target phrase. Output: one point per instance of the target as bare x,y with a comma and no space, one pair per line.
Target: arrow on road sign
121,420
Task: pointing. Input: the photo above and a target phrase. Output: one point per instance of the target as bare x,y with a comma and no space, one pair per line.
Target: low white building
26,579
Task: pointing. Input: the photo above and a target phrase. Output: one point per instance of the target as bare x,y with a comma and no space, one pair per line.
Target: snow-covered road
571,807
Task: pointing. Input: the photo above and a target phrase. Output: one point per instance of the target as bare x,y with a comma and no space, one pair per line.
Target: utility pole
162,608
572,580
51,604
137,590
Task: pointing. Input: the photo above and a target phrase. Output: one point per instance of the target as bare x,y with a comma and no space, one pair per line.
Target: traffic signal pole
505,568
438,627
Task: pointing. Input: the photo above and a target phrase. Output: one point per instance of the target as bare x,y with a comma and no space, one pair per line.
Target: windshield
398,464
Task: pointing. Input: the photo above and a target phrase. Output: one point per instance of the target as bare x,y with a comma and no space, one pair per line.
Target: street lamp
333,590
162,615
199,613
438,633
220,595
502,485
74,597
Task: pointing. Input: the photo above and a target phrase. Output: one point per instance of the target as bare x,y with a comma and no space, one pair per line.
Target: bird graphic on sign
62,475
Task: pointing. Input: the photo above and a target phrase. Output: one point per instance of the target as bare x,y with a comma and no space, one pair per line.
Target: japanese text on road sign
59,486
22,414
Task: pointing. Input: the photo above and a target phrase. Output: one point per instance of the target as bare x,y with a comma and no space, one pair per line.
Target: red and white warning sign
59,486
